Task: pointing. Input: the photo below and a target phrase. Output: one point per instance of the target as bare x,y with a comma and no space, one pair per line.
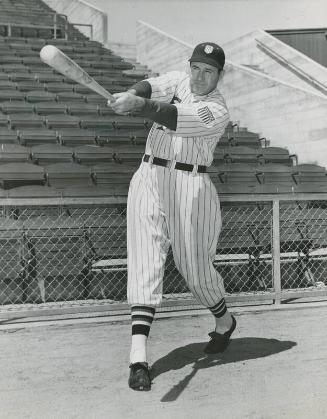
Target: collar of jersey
211,94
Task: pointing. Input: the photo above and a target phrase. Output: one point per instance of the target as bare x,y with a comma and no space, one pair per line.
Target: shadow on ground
240,349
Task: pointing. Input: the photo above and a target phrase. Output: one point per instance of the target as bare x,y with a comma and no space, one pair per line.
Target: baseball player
171,199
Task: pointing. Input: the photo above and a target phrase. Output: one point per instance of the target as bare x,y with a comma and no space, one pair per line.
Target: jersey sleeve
164,87
201,119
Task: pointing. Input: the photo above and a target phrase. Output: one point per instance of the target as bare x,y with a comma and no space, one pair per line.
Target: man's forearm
142,89
160,112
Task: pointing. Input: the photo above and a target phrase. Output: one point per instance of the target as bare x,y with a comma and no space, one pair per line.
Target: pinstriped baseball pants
178,209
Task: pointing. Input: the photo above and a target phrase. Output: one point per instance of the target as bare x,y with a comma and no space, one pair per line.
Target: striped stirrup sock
142,317
219,309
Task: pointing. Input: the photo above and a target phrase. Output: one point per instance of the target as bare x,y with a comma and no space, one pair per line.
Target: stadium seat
40,96
69,96
102,122
304,173
62,175
240,138
49,108
95,98
46,154
59,87
82,108
25,120
275,155
109,175
78,88
10,59
105,110
11,94
234,173
129,153
135,122
49,77
240,154
13,153
29,85
16,106
34,191
93,191
59,121
31,137
7,85
76,137
93,155
8,136
4,77
11,68
275,173
20,76
114,136
20,174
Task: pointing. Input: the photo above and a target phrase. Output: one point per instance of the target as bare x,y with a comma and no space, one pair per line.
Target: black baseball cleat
139,376
219,342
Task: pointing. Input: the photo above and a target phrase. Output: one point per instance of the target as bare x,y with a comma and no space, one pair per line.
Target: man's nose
200,75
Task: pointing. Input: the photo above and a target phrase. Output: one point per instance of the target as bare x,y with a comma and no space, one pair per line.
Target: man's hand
126,103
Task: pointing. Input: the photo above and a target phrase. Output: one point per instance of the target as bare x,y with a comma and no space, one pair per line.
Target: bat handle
107,95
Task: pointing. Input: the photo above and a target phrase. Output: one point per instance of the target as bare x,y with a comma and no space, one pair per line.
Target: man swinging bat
171,199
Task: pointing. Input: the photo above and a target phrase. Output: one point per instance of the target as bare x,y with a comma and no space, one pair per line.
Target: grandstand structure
66,161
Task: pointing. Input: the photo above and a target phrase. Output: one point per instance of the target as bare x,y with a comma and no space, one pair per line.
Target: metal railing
59,30
294,68
72,252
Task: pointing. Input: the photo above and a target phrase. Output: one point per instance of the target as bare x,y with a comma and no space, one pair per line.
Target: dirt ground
274,368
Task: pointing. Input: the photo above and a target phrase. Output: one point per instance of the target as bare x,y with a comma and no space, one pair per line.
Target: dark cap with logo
209,53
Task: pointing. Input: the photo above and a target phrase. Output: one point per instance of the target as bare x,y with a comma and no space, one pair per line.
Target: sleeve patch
206,115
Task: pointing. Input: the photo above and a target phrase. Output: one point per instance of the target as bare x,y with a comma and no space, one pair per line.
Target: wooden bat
56,59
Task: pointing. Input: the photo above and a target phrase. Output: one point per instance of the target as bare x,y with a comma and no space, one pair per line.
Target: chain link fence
303,244
77,252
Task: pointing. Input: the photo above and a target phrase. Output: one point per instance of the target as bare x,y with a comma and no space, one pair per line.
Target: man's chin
197,91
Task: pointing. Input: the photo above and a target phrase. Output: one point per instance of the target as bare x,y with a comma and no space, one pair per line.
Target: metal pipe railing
296,69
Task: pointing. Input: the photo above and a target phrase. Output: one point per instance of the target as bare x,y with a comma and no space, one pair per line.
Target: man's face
204,78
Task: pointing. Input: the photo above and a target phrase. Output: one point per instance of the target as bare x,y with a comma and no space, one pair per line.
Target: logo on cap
208,49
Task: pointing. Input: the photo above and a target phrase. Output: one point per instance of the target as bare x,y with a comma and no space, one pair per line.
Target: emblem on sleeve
208,49
206,115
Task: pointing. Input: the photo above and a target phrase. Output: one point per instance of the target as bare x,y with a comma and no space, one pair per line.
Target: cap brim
206,60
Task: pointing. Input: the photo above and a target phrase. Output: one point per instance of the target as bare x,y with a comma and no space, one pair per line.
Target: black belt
179,166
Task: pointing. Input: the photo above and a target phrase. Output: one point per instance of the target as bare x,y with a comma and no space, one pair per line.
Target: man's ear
221,74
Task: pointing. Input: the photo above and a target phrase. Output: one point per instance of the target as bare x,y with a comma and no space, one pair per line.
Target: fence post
276,251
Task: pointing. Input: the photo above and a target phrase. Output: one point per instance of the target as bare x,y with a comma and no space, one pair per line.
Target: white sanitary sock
138,349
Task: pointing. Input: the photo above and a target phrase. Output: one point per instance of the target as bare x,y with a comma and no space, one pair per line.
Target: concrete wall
127,51
287,115
273,57
79,11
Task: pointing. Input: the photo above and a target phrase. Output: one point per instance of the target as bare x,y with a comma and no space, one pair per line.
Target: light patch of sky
219,20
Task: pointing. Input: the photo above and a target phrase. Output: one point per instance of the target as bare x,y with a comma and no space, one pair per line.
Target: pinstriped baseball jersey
169,207
201,121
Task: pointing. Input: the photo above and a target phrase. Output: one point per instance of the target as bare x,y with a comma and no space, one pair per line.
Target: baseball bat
56,59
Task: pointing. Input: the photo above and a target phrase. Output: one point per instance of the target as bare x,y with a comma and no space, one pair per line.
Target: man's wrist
140,104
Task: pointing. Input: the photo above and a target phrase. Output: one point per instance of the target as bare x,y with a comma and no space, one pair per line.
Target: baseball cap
209,53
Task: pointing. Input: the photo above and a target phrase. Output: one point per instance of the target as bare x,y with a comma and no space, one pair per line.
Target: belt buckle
150,161
195,169
171,165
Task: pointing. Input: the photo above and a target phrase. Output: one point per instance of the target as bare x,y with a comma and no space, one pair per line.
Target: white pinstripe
173,207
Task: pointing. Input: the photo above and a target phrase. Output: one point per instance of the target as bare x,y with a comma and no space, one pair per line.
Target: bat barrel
56,59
